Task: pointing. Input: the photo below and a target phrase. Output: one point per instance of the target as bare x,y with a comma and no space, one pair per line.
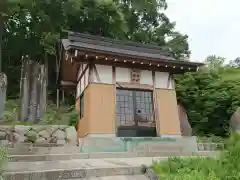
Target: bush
225,167
211,139
73,118
210,100
3,160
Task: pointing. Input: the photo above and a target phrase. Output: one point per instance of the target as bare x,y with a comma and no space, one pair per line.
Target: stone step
25,149
70,156
77,169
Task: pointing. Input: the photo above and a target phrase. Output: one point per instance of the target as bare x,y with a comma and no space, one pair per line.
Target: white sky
213,26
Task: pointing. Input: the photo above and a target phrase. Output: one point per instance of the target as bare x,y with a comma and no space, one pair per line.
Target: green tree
235,63
34,27
214,61
210,97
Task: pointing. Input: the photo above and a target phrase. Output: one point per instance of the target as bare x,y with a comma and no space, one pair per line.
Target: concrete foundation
132,144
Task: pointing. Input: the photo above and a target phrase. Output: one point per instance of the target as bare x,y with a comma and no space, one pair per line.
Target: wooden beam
116,122
96,72
85,69
141,66
155,104
134,86
78,68
161,62
84,79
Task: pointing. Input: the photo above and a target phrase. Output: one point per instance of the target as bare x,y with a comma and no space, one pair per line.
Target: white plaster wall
105,74
78,90
122,74
146,77
79,71
78,85
162,80
86,77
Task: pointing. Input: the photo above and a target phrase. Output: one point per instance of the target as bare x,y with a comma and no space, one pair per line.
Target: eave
82,47
83,55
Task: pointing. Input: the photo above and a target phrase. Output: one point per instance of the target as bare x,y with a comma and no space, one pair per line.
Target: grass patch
224,167
3,160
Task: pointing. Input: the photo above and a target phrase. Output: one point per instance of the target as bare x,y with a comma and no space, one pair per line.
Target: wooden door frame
136,122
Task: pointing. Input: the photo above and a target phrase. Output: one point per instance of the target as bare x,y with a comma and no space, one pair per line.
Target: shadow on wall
185,126
235,121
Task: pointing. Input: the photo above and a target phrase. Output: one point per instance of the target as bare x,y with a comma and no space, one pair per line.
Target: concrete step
25,149
128,177
72,156
77,169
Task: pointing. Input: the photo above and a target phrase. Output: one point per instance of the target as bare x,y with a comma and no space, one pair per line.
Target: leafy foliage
226,166
235,63
65,115
210,96
34,27
214,61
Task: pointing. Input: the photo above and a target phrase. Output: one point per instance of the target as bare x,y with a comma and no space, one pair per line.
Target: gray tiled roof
125,48
69,44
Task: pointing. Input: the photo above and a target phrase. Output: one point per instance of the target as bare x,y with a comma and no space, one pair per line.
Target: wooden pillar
155,105
116,123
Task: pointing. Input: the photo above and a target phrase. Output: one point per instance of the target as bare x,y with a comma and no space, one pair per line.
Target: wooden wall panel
102,109
99,110
83,123
169,123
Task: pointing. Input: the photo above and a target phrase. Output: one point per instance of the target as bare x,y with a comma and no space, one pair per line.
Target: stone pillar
3,90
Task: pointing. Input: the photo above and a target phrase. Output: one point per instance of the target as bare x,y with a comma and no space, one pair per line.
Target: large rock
186,128
235,121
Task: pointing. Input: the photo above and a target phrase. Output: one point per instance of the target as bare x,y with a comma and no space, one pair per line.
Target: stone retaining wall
47,135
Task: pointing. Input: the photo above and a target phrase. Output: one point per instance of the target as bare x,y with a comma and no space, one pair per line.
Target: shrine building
123,88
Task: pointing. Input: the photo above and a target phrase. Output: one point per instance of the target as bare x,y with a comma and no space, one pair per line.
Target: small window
81,106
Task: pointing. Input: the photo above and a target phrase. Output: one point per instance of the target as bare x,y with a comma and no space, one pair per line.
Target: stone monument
3,89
